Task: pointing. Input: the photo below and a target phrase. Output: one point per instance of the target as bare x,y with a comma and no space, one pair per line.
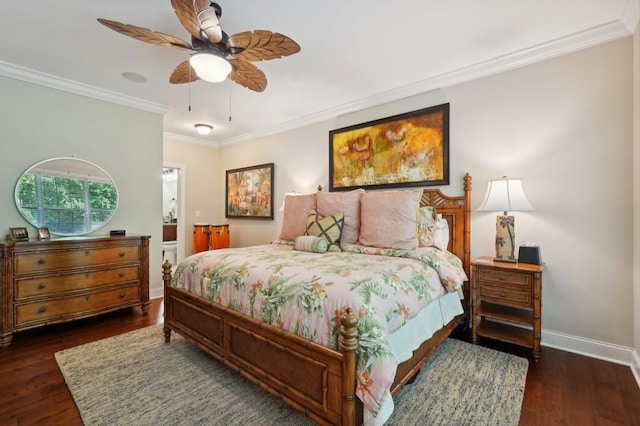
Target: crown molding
36,77
611,31
176,137
631,15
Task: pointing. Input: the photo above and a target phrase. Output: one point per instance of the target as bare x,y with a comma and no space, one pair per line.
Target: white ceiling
354,53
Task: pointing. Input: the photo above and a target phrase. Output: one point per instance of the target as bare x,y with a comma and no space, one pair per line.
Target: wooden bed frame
313,379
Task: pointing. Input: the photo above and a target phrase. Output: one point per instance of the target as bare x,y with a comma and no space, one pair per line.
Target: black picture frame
249,192
404,150
19,234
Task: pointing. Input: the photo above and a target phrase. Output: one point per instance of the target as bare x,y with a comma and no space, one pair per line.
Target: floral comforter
307,293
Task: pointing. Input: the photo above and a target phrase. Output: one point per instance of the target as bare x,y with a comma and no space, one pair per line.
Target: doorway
173,213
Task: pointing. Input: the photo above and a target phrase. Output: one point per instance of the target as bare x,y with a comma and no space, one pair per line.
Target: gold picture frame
405,150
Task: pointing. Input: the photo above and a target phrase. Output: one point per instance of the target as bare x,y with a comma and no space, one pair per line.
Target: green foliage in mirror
68,195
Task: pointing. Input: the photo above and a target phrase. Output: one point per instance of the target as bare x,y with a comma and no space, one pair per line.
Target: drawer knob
121,254
503,278
42,310
503,294
122,295
42,286
86,252
42,261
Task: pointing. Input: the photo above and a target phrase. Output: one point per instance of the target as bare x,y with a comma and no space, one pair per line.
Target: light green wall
37,122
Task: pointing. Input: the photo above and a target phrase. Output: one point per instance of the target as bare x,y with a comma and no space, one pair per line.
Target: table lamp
505,195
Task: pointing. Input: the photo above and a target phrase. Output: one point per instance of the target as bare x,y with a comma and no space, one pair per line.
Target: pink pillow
330,203
388,219
296,210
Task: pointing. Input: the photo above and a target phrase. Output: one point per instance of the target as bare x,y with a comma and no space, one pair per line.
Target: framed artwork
43,233
19,234
249,192
410,149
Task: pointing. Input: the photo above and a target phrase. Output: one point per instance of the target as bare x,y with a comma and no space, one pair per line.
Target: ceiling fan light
203,129
210,67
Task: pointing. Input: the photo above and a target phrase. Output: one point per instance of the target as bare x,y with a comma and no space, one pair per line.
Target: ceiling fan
211,47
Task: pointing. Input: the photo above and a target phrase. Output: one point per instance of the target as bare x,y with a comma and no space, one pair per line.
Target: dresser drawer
506,295
56,284
58,309
56,260
514,279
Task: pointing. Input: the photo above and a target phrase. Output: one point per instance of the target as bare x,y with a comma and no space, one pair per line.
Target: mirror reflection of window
67,195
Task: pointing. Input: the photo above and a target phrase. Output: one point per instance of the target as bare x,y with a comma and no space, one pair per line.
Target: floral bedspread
307,293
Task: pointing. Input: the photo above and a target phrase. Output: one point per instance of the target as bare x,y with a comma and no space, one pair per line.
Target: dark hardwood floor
563,389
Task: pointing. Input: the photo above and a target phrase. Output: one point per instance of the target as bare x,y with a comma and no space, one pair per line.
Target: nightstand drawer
502,277
506,296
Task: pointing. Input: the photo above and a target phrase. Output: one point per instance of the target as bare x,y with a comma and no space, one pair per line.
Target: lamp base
505,239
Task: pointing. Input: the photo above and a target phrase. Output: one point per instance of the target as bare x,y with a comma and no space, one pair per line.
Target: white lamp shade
505,195
210,67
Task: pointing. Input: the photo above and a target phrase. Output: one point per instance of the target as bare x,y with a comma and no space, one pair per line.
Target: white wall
636,196
37,122
565,127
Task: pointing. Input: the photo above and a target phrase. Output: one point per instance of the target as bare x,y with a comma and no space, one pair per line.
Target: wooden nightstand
506,302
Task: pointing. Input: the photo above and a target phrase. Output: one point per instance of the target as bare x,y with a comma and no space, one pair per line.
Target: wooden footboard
315,380
311,378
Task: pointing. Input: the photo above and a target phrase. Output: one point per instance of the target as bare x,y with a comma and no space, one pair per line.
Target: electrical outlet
197,213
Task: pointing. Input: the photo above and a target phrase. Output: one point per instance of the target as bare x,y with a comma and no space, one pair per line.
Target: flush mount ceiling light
210,67
203,129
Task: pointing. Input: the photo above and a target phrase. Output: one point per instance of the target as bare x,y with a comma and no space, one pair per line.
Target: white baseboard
594,349
156,293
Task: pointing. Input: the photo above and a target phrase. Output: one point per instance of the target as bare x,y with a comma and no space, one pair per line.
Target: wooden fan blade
183,74
199,18
261,45
146,35
248,75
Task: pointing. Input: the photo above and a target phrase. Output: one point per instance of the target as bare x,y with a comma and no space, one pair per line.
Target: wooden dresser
58,280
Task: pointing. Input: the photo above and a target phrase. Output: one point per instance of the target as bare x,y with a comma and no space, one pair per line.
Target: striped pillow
310,243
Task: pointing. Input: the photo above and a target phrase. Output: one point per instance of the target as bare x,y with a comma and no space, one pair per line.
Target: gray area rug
137,379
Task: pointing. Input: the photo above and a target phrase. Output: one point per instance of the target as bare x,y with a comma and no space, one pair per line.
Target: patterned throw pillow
329,228
310,243
427,219
433,230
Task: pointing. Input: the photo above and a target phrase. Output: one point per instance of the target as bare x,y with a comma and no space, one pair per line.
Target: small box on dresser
506,302
59,280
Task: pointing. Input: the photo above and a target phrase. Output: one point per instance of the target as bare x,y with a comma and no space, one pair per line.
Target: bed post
166,282
466,260
348,346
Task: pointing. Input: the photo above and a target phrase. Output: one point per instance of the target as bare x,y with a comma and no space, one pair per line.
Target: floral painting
249,192
410,149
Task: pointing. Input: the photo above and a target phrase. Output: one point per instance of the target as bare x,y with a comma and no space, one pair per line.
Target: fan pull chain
189,88
229,105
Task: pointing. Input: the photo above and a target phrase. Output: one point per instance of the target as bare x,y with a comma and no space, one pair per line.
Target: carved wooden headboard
457,212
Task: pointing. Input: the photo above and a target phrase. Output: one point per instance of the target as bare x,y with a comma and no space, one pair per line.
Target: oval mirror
67,195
